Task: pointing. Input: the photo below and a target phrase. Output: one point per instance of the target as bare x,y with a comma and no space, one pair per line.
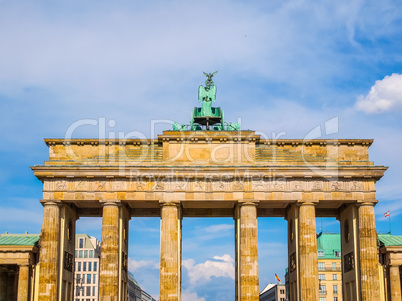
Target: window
84,268
88,278
83,278
335,287
81,243
89,266
79,267
337,254
80,254
95,266
320,253
94,279
334,265
335,298
323,289
321,276
334,277
93,291
282,292
86,254
321,266
323,299
76,253
88,291
91,254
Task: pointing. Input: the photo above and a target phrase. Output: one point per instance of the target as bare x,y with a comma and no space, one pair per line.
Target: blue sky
285,67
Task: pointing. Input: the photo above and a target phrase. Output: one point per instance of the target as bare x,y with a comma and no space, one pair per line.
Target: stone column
170,265
395,283
23,283
109,261
49,253
247,284
308,252
370,284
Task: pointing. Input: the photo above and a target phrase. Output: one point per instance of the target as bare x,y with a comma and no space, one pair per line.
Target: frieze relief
219,185
259,185
60,185
336,185
238,185
100,185
208,184
355,185
317,185
199,185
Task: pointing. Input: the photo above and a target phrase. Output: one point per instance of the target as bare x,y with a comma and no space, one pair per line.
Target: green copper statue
207,94
207,117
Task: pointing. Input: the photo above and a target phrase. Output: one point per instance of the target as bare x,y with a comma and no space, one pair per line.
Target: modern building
329,266
390,255
18,266
273,292
86,275
135,292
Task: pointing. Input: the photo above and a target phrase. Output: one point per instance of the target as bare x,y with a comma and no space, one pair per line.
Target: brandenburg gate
209,169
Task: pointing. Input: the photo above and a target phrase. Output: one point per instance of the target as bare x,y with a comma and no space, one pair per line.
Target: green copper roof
18,239
130,275
390,240
328,243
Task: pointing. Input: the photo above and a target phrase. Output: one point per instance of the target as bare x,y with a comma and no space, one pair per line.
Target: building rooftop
329,243
19,239
389,240
89,241
271,286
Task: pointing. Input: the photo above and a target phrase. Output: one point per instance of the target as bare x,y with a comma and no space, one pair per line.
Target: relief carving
199,185
278,185
141,185
292,262
349,262
219,185
317,185
259,185
336,185
159,186
81,185
68,261
119,185
356,185
100,185
61,185
297,185
238,185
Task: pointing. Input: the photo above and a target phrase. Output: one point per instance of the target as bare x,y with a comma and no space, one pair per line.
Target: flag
277,278
386,214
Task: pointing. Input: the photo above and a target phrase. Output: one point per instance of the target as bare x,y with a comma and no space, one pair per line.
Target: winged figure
207,94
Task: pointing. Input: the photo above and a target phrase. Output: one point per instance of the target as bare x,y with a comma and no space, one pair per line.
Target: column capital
110,203
51,203
300,203
247,203
366,203
169,203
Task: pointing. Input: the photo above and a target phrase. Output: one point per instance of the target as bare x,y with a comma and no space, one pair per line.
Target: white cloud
220,266
135,264
219,228
385,95
186,295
